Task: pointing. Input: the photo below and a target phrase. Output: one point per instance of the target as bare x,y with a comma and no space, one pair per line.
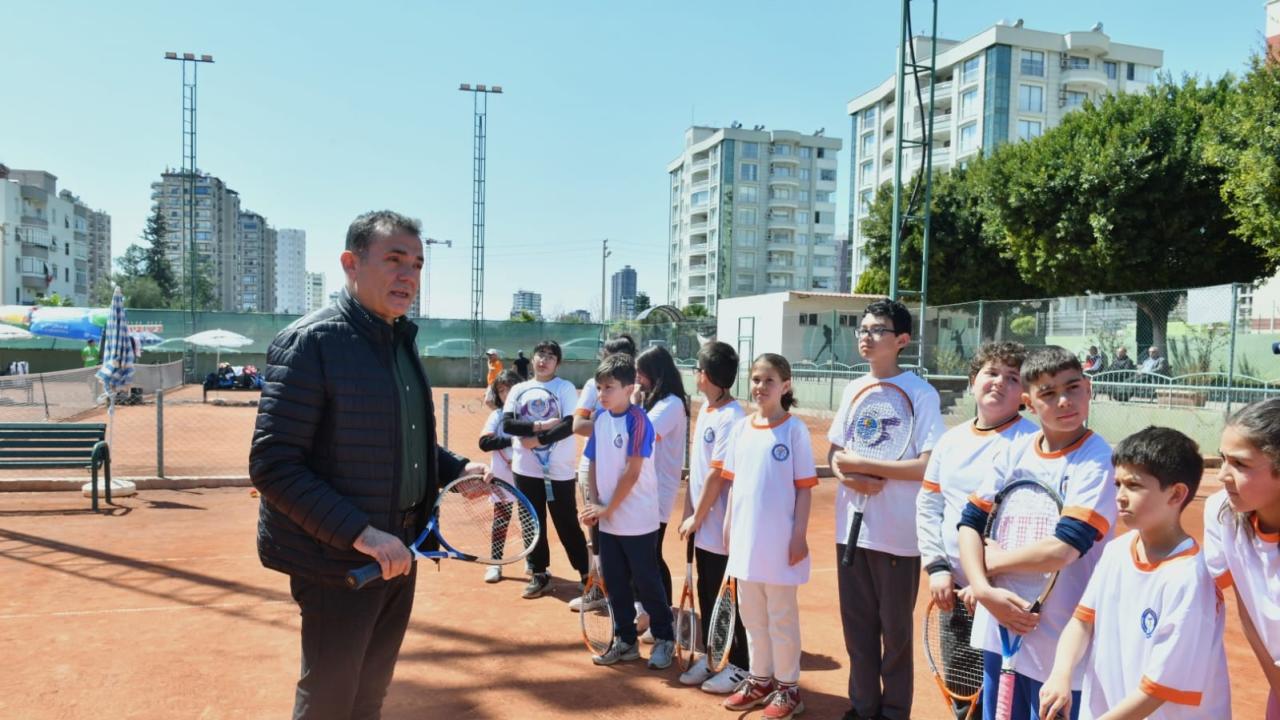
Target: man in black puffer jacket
345,458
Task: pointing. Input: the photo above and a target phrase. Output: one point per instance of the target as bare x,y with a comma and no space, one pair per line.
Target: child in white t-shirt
1242,532
770,466
498,444
1150,618
624,502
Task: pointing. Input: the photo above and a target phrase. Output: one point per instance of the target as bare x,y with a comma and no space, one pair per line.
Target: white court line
158,608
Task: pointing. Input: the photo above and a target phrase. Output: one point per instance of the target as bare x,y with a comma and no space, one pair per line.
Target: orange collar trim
1257,528
1064,451
1147,565
760,423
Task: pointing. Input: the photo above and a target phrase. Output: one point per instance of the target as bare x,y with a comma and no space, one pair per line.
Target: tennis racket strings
486,520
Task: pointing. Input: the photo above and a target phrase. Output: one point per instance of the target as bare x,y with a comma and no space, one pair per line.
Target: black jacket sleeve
493,443
512,425
559,431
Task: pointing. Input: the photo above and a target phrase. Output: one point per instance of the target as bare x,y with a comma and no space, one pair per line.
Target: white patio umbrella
13,332
116,373
218,340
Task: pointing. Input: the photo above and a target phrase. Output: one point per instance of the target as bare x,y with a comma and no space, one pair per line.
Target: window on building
1032,63
828,175
1029,129
802,217
1075,99
803,196
868,144
968,136
748,194
782,149
747,216
1030,98
969,103
780,193
746,261
865,171
750,150
699,198
824,196
1110,68
969,71
869,117
746,236
822,152
749,172
817,217
806,152
1076,62
864,202
804,174
802,238
1129,72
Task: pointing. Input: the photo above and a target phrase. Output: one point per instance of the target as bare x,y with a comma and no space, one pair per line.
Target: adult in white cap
495,365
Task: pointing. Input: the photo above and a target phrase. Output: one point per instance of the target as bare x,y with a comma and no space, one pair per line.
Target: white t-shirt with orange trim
710,443
766,463
1084,477
1156,626
960,461
670,423
889,519
500,466
588,406
1249,559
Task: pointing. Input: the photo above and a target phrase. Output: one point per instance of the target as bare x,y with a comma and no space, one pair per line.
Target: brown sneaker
784,704
751,693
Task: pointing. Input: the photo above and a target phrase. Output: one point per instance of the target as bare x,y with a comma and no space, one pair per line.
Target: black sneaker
538,585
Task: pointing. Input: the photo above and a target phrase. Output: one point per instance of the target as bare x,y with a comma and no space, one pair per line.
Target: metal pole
980,327
604,255
926,209
160,433
480,111
446,421
900,113
1231,353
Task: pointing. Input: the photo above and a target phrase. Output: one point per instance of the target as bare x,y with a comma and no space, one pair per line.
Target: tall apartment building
1005,84
751,211
216,221
624,293
315,291
255,255
291,271
44,239
526,300
99,248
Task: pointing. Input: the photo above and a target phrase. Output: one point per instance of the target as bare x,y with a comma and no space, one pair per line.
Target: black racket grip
851,547
362,576
688,549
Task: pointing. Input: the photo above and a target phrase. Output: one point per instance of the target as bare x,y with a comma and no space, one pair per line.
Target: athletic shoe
528,568
493,574
619,651
663,653
751,693
784,704
725,681
697,674
594,601
538,585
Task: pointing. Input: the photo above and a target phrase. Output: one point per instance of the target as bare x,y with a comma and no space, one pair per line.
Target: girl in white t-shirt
498,445
660,391
1242,532
770,467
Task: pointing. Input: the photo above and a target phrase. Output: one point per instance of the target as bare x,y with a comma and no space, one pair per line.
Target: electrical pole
427,243
604,255
480,110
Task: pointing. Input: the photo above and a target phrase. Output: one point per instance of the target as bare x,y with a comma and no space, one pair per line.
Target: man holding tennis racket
345,458
1031,535
888,422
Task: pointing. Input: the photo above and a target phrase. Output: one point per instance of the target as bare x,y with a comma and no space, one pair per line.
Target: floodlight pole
427,243
480,109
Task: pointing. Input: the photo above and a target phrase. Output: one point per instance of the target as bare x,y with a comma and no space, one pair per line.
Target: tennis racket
595,614
538,404
474,520
723,616
878,427
957,667
1024,513
686,617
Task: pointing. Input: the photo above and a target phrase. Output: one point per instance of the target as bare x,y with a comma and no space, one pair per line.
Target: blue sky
318,111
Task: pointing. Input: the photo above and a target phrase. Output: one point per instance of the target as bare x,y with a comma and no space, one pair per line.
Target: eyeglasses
876,332
698,369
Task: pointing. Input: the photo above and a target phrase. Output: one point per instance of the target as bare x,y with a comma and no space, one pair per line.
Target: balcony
942,90
781,221
35,235
791,201
1086,77
702,164
698,227
776,178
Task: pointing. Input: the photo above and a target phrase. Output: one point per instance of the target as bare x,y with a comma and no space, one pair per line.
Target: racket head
537,404
956,665
879,424
720,633
595,616
686,618
1024,513
486,521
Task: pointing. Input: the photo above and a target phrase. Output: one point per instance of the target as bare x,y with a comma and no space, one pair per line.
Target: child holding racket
1150,619
538,412
769,464
625,493
705,505
498,444
1242,532
887,408
1070,466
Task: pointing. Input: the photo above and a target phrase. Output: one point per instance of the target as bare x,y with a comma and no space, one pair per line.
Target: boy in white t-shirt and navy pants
878,591
624,501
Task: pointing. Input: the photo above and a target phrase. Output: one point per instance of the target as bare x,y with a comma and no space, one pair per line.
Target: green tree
206,297
524,316
141,292
134,262
1120,197
101,292
695,310
54,300
642,302
156,263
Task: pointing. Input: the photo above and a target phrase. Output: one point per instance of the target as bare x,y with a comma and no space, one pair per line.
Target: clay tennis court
159,609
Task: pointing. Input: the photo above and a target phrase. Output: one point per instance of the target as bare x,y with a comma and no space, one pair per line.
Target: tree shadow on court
170,505
107,511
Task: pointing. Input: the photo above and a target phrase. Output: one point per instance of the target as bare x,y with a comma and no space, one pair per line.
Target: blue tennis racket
538,404
474,520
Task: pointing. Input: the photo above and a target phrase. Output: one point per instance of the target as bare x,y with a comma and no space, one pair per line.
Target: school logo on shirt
709,436
781,452
617,440
1149,620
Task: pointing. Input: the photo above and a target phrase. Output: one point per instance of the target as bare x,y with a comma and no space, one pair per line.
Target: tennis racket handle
362,576
1004,701
851,546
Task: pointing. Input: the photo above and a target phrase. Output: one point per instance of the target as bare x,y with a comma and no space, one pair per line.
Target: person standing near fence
345,458
89,356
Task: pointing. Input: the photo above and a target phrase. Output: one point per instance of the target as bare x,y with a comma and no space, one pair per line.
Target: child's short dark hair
549,347
1012,354
621,343
506,378
1049,360
895,311
1165,453
618,366
719,362
783,368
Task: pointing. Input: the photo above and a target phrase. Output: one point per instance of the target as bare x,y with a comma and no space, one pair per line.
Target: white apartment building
526,300
216,222
44,240
752,211
315,291
255,255
99,248
291,271
1005,84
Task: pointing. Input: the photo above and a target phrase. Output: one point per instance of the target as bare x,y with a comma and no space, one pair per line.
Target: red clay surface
161,610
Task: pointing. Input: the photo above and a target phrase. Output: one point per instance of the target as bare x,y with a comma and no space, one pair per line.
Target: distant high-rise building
99,248
526,300
217,217
315,291
255,263
844,279
291,271
44,239
624,294
582,316
752,211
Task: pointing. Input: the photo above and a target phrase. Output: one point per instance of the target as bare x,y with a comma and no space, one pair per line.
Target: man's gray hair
379,223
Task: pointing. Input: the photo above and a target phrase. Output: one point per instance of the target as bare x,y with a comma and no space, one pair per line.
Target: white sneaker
726,680
697,674
647,637
596,601
493,574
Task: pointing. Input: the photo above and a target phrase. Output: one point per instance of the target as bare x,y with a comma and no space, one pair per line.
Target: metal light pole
480,108
190,69
604,255
427,243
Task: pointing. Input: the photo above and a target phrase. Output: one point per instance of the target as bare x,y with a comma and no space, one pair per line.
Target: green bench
43,446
